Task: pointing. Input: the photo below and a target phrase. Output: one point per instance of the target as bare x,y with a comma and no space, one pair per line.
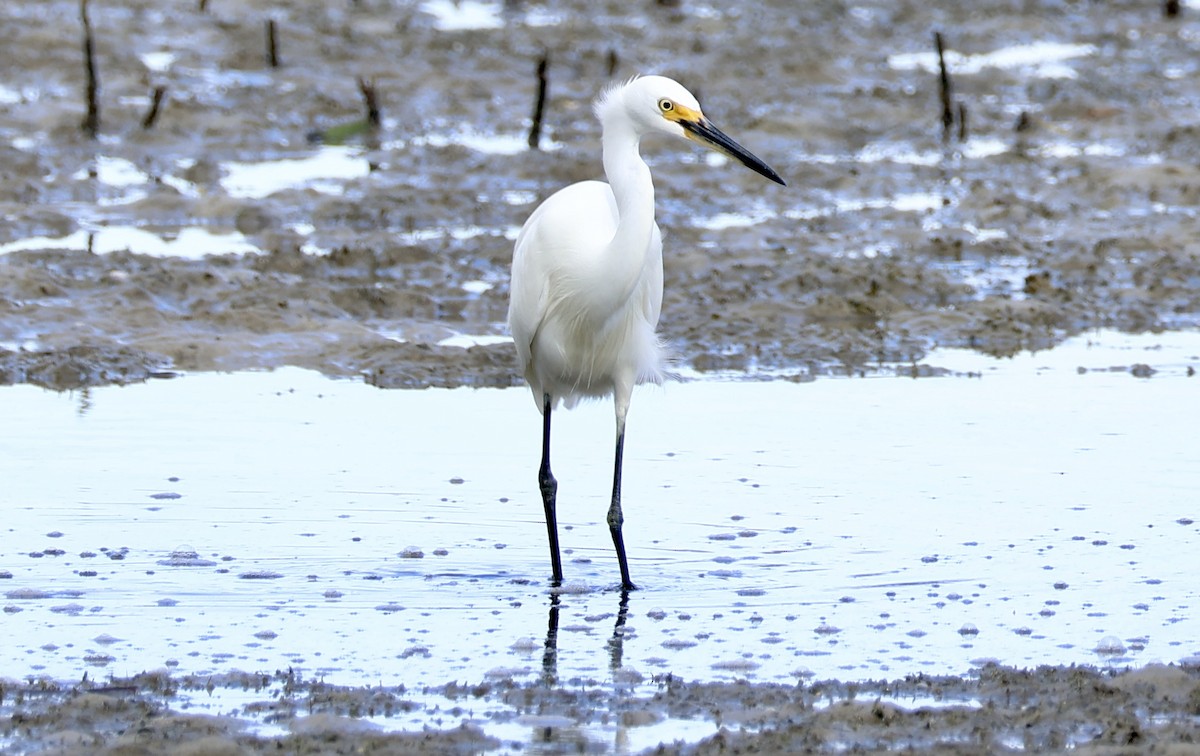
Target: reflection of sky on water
842,527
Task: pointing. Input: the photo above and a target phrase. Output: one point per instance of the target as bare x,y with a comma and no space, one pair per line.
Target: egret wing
573,224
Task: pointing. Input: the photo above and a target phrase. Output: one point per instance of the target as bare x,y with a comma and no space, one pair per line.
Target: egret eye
666,105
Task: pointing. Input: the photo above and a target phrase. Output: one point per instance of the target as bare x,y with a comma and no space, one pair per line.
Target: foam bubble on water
526,645
260,575
677,644
27,594
505,673
736,665
99,660
1110,645
725,573
185,556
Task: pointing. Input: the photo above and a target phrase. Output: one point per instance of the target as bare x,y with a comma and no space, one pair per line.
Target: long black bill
710,136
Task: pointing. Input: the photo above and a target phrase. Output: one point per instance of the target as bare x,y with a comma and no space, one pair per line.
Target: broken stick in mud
156,101
539,106
371,100
945,89
91,122
272,45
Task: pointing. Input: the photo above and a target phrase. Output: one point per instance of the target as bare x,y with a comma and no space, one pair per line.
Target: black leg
549,488
616,519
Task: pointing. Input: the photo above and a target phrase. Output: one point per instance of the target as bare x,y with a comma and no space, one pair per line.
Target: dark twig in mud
272,45
946,90
91,122
203,5
156,101
1171,9
535,130
612,62
962,122
367,87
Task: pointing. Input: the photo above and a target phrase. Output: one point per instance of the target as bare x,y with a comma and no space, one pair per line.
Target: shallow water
1023,511
1027,511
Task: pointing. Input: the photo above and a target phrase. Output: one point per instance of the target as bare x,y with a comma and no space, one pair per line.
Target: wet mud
1150,710
1070,205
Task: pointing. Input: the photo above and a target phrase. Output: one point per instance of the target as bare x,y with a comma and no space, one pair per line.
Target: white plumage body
575,338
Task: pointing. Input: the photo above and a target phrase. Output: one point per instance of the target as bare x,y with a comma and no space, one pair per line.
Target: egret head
658,104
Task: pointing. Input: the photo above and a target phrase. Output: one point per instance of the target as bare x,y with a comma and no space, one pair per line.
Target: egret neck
625,258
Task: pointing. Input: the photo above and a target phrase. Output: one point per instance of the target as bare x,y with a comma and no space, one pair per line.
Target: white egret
587,277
